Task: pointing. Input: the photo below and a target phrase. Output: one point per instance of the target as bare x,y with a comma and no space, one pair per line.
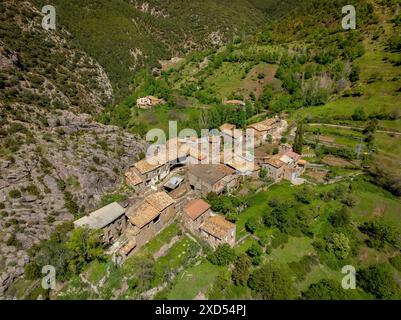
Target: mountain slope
56,163
124,35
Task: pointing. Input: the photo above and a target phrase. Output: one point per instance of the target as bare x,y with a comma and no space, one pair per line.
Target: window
157,219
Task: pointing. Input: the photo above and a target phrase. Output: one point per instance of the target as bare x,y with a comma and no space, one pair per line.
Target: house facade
147,219
195,212
217,230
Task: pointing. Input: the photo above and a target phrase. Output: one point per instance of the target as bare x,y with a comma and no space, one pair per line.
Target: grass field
194,280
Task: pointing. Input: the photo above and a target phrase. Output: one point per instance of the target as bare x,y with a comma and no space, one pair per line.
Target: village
173,184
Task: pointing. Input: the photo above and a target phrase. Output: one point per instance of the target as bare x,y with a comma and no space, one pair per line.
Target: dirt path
351,128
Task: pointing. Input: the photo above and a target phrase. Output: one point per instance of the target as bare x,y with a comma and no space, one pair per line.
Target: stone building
217,230
195,212
148,102
147,219
263,129
206,178
111,219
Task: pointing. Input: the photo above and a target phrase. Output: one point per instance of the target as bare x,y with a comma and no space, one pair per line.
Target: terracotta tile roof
149,209
227,126
293,155
264,125
302,162
275,162
242,165
218,226
129,246
147,165
132,178
160,200
143,214
195,208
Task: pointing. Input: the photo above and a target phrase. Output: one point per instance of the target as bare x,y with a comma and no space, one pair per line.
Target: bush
271,282
380,233
14,194
378,280
251,224
255,252
32,271
340,218
240,272
222,256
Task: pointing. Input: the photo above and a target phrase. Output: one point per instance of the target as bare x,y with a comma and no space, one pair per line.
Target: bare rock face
56,161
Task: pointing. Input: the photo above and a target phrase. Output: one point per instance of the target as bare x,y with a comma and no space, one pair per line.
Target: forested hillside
125,35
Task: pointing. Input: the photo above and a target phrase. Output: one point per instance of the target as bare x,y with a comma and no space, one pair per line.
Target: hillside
56,162
144,32
70,128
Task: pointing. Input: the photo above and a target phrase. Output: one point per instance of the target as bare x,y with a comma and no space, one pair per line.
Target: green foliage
378,280
338,244
222,256
14,194
113,197
327,289
84,246
380,233
240,273
340,218
298,142
255,252
252,224
271,282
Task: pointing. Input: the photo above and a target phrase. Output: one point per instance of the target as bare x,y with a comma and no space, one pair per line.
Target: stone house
230,134
206,178
274,167
195,212
152,170
261,130
147,219
217,230
111,219
133,180
148,102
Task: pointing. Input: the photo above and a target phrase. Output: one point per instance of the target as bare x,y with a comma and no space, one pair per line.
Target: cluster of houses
172,182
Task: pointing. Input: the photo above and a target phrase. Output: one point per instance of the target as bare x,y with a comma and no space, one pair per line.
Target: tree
222,256
85,246
327,289
338,244
255,252
299,139
240,272
340,218
271,282
378,280
380,233
251,224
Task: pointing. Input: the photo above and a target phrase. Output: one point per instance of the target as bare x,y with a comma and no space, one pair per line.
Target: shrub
222,256
14,194
377,280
